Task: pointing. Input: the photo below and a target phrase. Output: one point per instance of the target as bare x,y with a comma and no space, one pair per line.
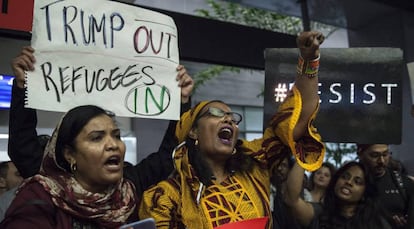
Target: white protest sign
117,56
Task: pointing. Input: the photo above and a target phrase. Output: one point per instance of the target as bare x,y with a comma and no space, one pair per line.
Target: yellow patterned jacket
182,201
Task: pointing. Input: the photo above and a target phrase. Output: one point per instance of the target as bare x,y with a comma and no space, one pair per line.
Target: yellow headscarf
187,119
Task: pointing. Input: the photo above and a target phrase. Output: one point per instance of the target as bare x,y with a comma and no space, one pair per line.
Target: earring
234,151
196,142
73,167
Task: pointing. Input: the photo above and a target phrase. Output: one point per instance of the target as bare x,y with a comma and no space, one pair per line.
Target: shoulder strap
398,180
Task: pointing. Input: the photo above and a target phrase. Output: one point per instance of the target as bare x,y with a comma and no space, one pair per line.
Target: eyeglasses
217,112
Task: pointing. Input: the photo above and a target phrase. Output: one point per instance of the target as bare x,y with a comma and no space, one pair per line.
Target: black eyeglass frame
236,118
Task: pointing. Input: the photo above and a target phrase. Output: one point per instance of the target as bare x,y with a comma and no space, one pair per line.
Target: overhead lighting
4,136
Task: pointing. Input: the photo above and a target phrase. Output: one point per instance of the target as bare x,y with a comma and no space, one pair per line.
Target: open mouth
113,162
345,191
380,168
226,135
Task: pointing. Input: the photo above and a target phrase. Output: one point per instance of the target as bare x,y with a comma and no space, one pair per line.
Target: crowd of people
203,175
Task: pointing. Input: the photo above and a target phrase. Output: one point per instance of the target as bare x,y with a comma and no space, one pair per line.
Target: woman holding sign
80,183
219,179
67,185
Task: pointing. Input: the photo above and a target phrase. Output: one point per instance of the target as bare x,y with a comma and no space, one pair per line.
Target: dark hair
328,165
43,139
71,125
362,147
4,167
368,214
236,162
285,153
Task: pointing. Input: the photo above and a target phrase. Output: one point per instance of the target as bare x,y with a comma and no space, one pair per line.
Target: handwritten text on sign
117,56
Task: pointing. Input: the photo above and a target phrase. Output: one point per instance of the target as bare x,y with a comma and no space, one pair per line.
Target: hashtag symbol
281,92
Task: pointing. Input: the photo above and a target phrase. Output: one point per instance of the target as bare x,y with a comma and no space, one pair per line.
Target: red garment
55,197
34,206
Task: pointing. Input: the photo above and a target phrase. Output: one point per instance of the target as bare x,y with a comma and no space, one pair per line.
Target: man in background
9,176
15,179
10,179
395,189
280,213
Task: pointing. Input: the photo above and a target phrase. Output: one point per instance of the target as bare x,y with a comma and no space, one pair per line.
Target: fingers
183,78
320,38
25,60
309,39
316,39
181,71
308,43
28,50
185,82
399,220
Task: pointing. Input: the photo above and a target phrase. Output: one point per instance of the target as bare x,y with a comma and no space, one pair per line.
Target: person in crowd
9,176
279,174
7,197
27,154
280,213
3,173
349,201
318,182
80,183
396,190
219,179
25,150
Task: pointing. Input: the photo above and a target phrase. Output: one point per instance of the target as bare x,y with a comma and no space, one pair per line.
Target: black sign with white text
360,92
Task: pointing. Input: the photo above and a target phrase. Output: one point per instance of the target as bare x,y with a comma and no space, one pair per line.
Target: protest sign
114,55
360,92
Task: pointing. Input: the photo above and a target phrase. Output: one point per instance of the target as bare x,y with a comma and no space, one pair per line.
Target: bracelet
309,68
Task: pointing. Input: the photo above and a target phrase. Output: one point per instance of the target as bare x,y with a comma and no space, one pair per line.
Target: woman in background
318,182
348,203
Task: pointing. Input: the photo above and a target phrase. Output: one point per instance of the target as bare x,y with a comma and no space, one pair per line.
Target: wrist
185,99
19,83
308,68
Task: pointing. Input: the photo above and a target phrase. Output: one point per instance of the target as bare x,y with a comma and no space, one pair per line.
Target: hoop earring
196,142
234,151
73,167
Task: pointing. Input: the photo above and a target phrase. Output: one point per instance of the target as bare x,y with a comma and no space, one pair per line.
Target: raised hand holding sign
110,54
